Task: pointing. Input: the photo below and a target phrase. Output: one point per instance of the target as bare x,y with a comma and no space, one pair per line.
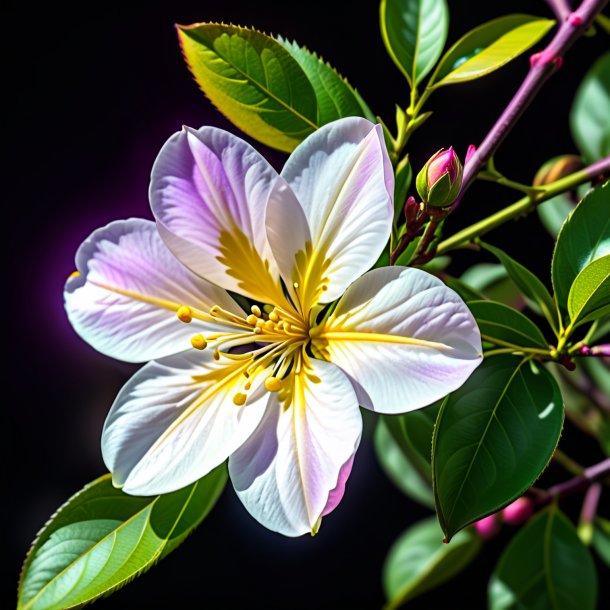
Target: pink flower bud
440,180
487,527
518,512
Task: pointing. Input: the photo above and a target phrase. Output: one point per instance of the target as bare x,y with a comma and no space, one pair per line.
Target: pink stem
542,66
584,481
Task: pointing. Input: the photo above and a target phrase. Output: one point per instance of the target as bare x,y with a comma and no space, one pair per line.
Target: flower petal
342,180
287,470
403,337
208,192
124,297
175,420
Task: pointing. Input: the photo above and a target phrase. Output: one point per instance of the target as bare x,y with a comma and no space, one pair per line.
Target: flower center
268,338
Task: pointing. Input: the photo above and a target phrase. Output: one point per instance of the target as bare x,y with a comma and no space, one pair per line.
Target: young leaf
584,237
334,95
399,469
493,437
489,47
419,561
545,566
590,114
102,538
528,283
414,33
589,297
503,323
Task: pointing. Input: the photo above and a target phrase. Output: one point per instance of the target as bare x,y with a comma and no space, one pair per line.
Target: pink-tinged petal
336,495
404,339
175,420
287,471
124,297
208,192
342,180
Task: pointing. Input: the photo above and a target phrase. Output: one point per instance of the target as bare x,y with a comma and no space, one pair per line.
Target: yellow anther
269,325
258,330
247,385
216,355
74,274
260,323
199,342
256,310
273,384
185,314
274,316
252,319
295,284
240,399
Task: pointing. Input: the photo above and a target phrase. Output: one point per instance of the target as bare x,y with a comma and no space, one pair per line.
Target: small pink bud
600,350
518,512
470,153
440,180
487,527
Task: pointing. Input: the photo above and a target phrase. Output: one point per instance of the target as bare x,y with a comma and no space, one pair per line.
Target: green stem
525,205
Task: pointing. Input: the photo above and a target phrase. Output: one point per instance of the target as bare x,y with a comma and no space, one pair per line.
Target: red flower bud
440,180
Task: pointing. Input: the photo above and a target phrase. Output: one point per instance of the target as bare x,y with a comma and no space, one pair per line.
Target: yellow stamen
74,274
256,310
199,342
274,316
252,319
240,399
273,384
379,338
185,314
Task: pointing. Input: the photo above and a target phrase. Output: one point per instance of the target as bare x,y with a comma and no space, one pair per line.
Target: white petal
404,339
124,298
342,180
286,473
175,420
208,192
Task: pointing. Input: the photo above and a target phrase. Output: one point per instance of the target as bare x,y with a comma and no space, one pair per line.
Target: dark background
93,95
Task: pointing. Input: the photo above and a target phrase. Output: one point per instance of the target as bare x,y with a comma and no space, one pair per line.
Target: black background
93,94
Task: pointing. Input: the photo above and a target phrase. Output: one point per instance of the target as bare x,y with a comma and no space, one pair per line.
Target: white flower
276,389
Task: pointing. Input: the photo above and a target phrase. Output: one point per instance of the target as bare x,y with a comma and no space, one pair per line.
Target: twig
525,205
542,66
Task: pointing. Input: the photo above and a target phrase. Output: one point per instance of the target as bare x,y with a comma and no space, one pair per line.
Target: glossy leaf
274,91
493,437
414,33
489,47
584,237
102,538
590,114
419,561
545,566
335,97
399,469
505,324
528,284
589,297
467,292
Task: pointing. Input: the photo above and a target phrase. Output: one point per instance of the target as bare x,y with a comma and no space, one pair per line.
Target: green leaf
500,322
419,561
584,237
493,437
335,97
553,213
102,538
544,566
601,539
272,90
414,33
590,113
399,469
528,284
589,297
489,47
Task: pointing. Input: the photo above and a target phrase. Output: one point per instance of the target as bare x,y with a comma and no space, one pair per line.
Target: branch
542,66
584,481
560,8
526,205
